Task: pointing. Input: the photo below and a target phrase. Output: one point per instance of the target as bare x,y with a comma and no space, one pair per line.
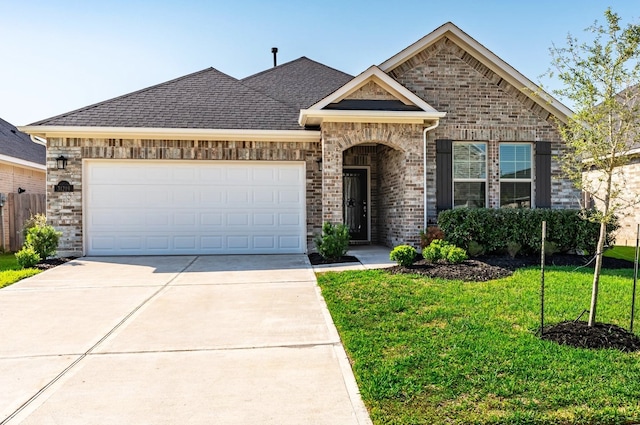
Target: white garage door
193,207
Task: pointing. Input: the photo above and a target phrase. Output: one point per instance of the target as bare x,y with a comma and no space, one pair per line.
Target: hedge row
493,229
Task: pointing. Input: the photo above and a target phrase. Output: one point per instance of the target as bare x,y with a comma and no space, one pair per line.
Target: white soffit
487,58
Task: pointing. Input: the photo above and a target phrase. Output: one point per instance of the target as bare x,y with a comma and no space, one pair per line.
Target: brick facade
64,210
628,179
480,107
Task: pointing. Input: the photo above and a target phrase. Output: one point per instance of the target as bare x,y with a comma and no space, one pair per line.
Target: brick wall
65,209
628,179
480,106
13,177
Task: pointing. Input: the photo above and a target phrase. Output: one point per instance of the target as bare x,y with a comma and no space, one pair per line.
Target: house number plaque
63,186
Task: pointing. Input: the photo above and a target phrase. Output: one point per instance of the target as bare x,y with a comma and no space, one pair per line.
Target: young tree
601,78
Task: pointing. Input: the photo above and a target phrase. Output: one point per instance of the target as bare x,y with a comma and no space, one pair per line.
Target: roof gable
372,96
17,148
402,61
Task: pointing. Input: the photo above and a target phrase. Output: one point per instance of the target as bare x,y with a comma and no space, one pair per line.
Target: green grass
430,351
622,252
10,271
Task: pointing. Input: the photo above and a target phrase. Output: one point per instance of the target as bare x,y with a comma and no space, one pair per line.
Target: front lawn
10,271
428,351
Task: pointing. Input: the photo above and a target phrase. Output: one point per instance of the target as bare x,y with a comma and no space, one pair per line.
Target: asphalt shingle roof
299,83
16,144
270,100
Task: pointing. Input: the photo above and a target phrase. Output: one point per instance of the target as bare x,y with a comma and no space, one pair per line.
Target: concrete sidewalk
369,256
173,340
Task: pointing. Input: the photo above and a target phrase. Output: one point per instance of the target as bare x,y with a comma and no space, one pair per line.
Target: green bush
494,229
403,255
333,243
443,251
37,220
43,239
27,257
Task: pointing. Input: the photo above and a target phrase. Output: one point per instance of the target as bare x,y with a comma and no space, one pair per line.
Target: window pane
469,161
515,194
469,194
515,161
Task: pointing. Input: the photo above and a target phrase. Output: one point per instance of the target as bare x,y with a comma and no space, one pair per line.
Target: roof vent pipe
274,50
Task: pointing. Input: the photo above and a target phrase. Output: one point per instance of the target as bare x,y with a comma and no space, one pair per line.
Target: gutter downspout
424,166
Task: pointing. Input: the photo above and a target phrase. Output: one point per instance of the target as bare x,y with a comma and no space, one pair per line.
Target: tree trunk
596,273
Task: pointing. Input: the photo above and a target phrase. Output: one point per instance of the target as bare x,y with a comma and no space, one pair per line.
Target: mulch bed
601,335
50,263
316,259
490,267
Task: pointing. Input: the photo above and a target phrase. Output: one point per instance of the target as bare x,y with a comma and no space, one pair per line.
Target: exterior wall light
61,162
319,161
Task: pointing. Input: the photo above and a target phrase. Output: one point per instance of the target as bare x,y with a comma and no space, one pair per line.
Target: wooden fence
20,208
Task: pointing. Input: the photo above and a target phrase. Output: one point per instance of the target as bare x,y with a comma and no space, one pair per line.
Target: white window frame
484,180
529,180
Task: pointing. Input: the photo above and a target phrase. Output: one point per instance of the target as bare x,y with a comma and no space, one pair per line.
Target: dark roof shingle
270,100
16,144
299,83
205,99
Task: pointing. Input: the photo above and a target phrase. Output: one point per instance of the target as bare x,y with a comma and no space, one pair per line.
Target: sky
61,55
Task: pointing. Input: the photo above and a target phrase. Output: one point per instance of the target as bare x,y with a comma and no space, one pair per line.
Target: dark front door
355,208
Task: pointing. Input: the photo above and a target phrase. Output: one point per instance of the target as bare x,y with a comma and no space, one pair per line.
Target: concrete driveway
173,340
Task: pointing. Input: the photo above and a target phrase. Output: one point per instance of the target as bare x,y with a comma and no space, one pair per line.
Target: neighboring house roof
17,148
299,83
402,60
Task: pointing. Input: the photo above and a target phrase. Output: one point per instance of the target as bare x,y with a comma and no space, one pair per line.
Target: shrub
27,257
43,240
37,220
403,255
474,249
493,229
333,243
513,248
439,251
432,233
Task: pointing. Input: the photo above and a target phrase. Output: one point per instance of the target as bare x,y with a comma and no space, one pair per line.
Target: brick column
331,182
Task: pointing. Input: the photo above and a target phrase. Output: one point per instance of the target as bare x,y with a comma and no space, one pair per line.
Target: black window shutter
543,175
444,175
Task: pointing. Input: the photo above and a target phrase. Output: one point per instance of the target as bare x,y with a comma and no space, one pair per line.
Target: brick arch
388,135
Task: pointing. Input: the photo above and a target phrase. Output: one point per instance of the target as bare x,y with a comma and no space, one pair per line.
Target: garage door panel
192,207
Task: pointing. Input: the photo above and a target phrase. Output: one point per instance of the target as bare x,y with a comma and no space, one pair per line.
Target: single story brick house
22,170
208,164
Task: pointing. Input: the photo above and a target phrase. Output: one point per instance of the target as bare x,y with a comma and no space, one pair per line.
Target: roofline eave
46,131
313,117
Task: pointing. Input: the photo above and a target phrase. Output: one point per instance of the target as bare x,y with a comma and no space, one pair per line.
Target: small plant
442,251
475,249
333,243
44,240
403,255
432,233
513,248
27,257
